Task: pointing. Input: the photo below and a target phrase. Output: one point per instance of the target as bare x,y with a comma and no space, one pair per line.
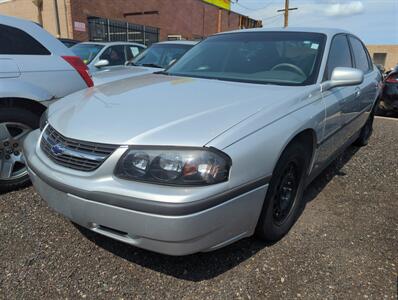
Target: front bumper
167,224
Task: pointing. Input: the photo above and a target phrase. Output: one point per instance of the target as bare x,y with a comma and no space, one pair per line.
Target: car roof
326,31
180,42
15,21
114,43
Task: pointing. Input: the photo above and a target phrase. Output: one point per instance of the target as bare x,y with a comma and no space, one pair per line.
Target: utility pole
286,12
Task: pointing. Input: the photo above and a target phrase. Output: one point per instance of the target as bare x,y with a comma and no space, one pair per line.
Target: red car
389,99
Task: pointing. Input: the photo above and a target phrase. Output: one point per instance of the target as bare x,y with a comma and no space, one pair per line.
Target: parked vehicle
35,70
68,42
389,98
102,56
217,147
154,59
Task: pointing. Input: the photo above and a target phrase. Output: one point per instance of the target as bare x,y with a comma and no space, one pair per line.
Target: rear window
17,42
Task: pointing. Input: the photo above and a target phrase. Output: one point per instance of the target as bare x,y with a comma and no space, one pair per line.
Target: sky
374,21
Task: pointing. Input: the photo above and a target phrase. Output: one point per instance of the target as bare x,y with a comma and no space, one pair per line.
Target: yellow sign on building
226,4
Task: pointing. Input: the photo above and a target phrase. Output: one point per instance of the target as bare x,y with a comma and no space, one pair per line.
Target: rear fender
11,88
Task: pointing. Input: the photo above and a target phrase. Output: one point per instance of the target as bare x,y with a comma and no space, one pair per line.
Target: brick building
117,19
386,55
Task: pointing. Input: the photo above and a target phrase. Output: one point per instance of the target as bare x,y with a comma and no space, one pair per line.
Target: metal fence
106,30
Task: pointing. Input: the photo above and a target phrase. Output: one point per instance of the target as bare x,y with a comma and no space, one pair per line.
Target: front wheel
15,124
284,196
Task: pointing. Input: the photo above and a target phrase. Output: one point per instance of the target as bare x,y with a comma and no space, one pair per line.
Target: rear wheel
285,192
366,131
15,124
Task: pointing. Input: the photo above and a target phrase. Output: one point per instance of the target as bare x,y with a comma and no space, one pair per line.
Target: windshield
87,52
285,58
161,55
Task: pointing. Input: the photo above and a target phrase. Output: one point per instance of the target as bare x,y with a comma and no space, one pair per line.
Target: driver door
337,100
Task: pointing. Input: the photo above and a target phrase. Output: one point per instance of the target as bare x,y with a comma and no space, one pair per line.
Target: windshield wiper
162,73
152,66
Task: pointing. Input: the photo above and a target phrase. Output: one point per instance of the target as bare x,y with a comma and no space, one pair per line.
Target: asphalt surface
344,245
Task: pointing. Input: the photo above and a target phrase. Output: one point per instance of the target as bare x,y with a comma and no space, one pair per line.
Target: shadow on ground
204,266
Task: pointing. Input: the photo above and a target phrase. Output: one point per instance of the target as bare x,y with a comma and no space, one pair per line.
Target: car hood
163,110
121,72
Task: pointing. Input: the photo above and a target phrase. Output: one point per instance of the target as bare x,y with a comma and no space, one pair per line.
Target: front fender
255,154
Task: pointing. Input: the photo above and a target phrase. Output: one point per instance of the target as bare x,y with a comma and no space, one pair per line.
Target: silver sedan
216,148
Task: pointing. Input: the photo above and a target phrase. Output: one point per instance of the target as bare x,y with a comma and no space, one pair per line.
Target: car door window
339,56
115,55
14,41
133,51
360,55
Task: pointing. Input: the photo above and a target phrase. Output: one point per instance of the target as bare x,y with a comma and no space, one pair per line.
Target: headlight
43,120
174,165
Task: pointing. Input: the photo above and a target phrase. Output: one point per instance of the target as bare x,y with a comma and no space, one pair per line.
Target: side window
14,41
133,51
339,55
115,55
360,55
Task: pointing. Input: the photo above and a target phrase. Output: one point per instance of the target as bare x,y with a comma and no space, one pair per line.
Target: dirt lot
345,245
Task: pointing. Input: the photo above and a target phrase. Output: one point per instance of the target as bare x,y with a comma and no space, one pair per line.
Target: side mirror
101,63
343,77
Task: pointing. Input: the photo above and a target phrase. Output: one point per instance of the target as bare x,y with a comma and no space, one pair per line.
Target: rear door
367,91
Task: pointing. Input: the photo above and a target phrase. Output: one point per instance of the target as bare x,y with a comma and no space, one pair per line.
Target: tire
274,225
18,123
381,112
381,109
366,131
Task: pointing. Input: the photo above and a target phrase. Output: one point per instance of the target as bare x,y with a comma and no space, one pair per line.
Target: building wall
391,52
27,10
189,18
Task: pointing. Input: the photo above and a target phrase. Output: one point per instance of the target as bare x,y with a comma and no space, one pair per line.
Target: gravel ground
345,245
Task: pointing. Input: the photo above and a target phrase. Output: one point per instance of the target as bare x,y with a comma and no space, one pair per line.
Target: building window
380,58
174,37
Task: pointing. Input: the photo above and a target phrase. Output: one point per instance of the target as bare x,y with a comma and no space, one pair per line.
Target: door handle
357,92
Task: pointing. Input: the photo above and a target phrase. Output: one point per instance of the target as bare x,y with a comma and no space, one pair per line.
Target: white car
35,70
154,59
216,148
102,56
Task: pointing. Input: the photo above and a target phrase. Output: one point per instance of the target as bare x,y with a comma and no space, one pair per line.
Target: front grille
74,154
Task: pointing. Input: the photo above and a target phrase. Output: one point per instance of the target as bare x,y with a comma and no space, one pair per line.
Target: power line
272,17
275,18
250,8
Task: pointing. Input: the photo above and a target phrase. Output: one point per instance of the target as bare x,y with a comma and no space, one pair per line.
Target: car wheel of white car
15,124
285,193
